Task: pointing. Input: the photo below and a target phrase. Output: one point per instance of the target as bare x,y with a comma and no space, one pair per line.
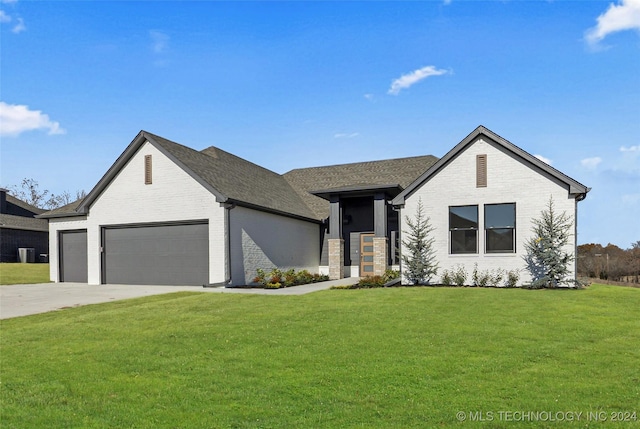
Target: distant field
11,274
377,358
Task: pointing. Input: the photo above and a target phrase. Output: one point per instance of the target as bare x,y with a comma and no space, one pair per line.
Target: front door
366,254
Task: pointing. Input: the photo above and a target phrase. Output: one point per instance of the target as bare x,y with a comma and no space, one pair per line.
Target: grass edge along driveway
17,273
397,357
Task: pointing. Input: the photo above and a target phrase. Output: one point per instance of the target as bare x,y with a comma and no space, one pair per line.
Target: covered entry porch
362,237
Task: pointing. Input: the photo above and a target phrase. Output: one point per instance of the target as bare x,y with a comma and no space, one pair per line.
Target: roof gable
229,178
400,171
575,187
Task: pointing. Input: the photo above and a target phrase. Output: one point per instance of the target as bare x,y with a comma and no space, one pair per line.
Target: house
167,214
20,229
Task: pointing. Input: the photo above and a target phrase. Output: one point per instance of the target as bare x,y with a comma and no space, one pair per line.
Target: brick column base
336,258
380,257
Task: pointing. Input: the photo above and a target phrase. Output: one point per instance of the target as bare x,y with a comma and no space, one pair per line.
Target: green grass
376,358
14,274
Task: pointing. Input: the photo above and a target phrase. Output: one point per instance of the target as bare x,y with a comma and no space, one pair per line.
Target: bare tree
29,192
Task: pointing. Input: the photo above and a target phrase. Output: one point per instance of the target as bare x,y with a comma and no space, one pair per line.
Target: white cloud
4,17
16,119
591,163
19,27
159,41
630,149
619,17
544,159
369,97
407,80
345,135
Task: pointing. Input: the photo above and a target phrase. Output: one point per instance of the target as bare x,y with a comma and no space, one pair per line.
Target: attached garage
156,254
73,256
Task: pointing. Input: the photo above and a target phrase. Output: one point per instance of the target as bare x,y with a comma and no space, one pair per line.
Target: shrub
277,279
512,278
459,276
446,278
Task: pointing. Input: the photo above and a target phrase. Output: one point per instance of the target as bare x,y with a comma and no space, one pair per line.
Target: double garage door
149,254
167,254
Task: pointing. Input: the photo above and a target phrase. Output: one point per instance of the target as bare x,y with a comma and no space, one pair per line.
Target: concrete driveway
24,300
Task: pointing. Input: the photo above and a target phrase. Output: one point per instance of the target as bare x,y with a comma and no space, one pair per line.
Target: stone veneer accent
380,255
336,258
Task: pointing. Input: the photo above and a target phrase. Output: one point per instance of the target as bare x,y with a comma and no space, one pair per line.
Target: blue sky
297,84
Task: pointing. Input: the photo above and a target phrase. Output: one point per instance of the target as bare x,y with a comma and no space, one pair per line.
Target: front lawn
15,273
393,357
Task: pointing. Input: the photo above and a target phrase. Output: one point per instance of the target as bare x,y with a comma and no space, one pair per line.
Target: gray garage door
73,256
156,254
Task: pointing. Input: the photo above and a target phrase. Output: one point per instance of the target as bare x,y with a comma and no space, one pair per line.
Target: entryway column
335,241
336,258
380,245
380,241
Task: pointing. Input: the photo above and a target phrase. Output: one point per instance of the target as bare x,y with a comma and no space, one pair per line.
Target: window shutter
481,171
147,169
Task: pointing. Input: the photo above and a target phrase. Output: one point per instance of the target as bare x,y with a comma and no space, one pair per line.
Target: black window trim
511,227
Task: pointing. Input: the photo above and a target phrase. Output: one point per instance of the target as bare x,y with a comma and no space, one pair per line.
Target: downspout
227,227
578,198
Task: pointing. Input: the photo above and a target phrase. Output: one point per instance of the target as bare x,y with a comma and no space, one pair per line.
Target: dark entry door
366,254
73,256
175,254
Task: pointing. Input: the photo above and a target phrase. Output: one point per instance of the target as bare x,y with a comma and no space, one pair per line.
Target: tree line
609,262
29,191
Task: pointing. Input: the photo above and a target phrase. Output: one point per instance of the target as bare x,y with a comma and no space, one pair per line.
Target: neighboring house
20,229
167,214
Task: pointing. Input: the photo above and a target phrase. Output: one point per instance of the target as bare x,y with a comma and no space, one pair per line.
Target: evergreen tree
546,258
420,262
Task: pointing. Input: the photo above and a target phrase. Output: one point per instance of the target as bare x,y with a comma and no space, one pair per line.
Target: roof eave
575,187
122,160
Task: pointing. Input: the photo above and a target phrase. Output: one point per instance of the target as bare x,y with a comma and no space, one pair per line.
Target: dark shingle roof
400,171
24,205
21,222
237,179
66,210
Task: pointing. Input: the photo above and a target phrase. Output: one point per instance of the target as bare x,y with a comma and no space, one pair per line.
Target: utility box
27,255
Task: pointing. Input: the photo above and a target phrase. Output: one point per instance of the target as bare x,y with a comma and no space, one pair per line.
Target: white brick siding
508,181
172,196
56,225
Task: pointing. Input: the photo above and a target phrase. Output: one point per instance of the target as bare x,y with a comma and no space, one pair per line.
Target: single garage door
73,256
167,254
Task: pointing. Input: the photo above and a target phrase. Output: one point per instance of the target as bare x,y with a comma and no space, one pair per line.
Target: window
147,169
481,171
463,228
500,225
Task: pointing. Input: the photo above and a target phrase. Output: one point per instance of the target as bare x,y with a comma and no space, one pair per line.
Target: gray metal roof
24,223
400,171
577,189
